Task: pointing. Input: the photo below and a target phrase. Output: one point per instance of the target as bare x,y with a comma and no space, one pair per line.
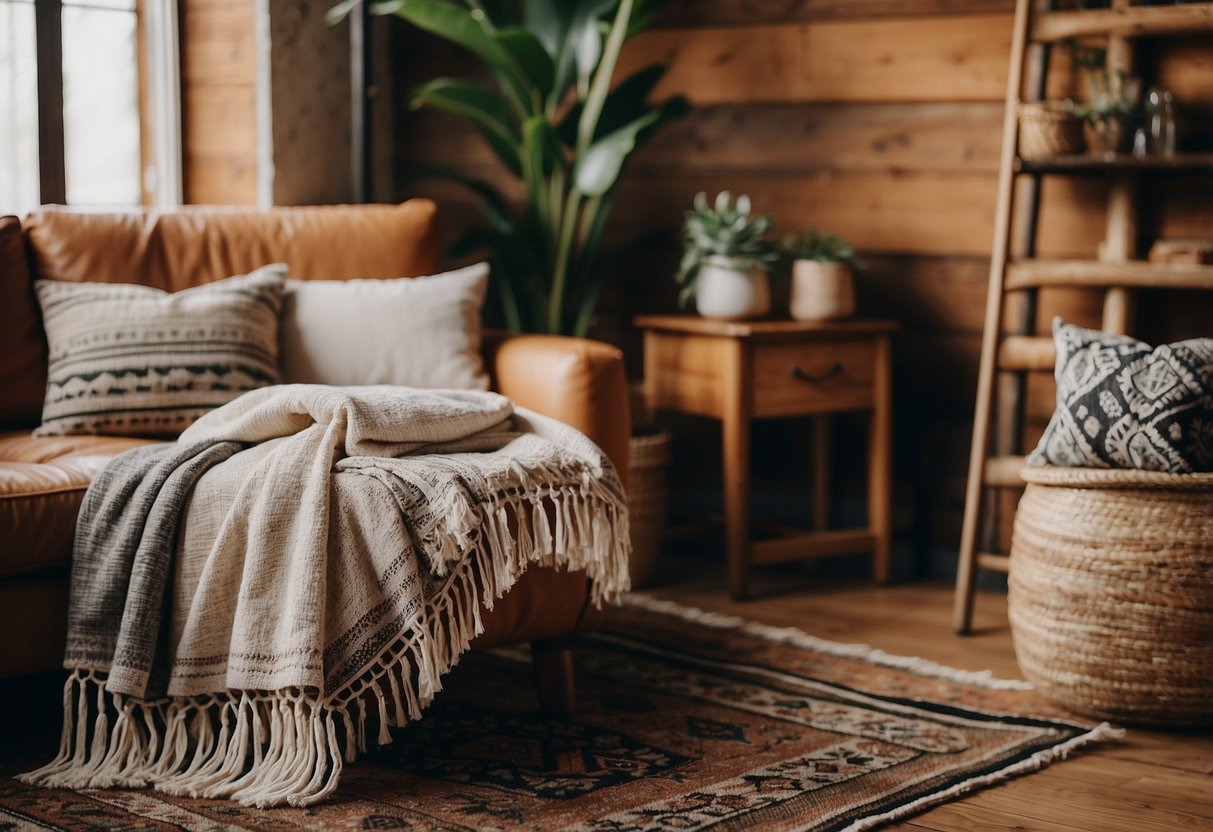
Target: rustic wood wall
306,92
219,101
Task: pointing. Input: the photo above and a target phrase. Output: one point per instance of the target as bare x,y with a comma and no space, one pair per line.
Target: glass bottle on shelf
1160,112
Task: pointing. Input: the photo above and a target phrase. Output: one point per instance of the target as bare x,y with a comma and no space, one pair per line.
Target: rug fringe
799,638
1100,733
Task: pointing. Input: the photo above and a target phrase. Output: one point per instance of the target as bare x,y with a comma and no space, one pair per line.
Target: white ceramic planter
722,291
821,291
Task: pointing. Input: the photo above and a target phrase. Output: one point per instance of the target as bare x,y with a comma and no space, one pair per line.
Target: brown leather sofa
43,480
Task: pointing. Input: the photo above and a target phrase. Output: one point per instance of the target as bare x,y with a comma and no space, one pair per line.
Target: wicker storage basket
1047,129
648,496
1111,592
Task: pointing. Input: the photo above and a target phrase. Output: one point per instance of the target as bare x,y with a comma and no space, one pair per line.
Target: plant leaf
595,97
483,107
530,56
587,15
599,167
628,101
549,20
339,12
498,11
473,31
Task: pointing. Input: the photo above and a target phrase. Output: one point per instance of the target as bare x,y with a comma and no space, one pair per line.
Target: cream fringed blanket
333,548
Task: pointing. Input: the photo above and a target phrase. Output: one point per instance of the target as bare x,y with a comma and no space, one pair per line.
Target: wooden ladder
1011,348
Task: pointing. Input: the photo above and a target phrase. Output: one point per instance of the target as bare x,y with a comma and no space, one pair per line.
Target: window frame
157,40
52,165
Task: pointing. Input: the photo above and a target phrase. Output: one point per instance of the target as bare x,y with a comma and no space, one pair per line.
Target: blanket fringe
270,748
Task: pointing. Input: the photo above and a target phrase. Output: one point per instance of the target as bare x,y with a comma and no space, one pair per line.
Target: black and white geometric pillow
1123,404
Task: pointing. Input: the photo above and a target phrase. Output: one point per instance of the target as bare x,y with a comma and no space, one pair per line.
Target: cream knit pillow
413,331
136,361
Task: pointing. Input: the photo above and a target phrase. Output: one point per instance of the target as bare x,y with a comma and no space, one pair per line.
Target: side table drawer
813,377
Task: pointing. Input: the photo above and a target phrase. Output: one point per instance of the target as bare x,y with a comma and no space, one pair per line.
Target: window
19,182
101,149
73,121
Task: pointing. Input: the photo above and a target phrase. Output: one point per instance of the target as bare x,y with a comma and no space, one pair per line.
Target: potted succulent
560,122
823,284
725,258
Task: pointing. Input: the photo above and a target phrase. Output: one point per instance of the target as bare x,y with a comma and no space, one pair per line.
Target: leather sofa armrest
581,382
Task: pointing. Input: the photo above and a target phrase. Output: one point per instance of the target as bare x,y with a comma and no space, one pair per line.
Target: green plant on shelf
725,233
1113,110
822,248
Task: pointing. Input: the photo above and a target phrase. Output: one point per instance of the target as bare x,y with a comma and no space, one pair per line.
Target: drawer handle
805,375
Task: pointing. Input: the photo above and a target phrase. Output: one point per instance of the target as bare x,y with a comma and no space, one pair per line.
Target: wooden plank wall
219,101
876,119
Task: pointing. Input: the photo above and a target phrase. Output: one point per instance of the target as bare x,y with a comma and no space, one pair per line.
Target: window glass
101,103
19,180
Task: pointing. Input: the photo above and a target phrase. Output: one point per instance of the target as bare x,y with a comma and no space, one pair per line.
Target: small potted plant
725,258
823,284
1111,114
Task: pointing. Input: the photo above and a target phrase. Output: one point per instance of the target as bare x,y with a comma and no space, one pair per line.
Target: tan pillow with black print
128,360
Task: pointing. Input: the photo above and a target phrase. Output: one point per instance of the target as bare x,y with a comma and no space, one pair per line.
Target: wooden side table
741,371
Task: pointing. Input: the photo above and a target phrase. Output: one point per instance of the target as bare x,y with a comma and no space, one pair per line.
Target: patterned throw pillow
1121,404
129,360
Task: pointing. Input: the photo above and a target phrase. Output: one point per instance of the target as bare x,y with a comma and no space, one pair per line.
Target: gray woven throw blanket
300,569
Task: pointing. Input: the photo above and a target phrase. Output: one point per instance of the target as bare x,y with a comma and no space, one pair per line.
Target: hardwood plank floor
1148,781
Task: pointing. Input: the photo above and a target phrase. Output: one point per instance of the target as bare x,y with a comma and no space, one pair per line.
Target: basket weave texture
1048,130
1111,592
648,498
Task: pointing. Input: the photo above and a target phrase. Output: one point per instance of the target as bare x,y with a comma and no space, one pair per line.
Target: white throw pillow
412,331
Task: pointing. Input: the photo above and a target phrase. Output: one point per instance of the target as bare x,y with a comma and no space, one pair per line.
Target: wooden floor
1147,781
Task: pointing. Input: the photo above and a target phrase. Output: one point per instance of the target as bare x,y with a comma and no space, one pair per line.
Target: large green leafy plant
558,121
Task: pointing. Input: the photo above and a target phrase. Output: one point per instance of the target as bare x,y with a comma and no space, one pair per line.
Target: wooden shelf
1103,162
1133,21
1003,472
1094,274
994,562
1027,353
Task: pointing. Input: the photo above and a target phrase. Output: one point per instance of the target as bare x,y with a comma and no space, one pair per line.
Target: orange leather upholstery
580,382
43,480
22,345
180,249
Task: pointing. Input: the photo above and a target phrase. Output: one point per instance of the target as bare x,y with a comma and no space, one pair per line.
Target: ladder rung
1129,21
1035,274
1027,352
994,562
1003,472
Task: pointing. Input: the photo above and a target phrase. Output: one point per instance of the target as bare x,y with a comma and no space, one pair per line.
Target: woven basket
1047,129
648,497
1111,592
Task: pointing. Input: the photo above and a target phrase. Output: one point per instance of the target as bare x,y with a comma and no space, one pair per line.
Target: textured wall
310,95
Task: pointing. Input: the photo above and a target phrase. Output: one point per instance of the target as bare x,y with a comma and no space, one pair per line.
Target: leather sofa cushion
22,345
42,483
179,249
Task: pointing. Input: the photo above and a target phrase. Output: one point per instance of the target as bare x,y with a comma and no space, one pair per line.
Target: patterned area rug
685,721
